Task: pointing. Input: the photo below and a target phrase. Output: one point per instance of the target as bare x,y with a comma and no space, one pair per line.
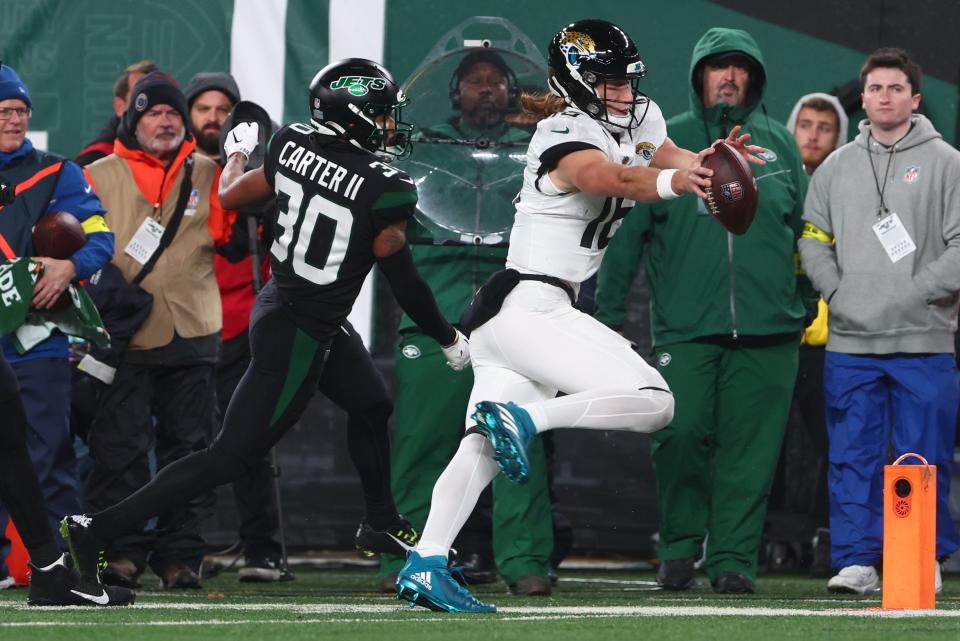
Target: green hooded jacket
456,272
705,282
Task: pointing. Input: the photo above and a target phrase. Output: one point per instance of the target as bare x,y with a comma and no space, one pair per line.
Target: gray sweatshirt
878,306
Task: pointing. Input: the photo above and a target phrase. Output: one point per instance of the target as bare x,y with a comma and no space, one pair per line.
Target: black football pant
352,382
19,487
284,373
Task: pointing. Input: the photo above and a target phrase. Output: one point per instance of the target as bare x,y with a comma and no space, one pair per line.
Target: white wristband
664,189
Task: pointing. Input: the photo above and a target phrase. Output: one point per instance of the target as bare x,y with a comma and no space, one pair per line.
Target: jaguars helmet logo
576,45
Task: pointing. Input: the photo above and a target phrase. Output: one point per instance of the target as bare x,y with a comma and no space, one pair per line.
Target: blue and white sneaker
510,430
426,581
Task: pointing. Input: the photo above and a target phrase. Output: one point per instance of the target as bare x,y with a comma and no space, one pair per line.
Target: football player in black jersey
341,210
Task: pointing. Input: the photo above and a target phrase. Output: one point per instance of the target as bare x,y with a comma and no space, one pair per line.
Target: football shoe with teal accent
426,581
510,430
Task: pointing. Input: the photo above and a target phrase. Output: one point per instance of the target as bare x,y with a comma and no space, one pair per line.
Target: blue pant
878,407
45,389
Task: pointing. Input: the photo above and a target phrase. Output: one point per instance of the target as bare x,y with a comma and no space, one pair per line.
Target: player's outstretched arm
589,171
414,295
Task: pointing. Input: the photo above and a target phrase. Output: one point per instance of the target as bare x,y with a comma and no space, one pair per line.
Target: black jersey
333,198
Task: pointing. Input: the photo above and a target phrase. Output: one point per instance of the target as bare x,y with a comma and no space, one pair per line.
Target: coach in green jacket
726,315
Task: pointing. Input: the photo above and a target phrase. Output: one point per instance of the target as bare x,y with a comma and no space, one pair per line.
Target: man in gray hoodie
882,245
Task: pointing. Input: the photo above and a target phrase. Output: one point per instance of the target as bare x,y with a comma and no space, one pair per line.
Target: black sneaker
676,574
122,573
61,585
733,583
84,548
474,569
396,539
260,570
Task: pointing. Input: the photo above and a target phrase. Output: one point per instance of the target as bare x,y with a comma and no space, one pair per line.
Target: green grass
587,605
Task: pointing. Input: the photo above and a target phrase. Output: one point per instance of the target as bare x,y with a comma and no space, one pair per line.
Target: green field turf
587,605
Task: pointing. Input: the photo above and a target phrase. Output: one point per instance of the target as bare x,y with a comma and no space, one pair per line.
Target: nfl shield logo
912,174
732,192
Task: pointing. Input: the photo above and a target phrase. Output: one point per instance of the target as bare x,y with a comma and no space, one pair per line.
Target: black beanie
155,88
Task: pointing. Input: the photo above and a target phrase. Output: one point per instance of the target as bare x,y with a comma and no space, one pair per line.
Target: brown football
58,235
732,199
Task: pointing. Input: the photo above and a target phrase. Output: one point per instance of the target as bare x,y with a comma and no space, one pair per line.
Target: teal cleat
510,430
426,581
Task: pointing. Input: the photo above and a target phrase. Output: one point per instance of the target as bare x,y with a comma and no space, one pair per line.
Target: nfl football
732,198
58,235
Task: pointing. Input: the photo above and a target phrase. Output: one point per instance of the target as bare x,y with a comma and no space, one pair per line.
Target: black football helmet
349,95
584,54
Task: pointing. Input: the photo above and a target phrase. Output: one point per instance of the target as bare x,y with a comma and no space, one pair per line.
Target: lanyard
876,180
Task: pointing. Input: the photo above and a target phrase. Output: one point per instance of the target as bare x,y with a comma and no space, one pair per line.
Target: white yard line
524,613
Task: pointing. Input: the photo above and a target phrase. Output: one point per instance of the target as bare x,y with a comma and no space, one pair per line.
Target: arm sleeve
941,278
397,202
76,195
818,253
415,296
619,268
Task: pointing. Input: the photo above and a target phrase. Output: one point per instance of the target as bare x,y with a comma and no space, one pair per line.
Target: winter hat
210,80
12,87
155,88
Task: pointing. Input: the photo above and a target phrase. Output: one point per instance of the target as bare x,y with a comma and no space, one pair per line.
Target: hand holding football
732,198
58,235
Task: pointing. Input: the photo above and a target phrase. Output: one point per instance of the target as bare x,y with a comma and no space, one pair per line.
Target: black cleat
84,548
61,585
396,539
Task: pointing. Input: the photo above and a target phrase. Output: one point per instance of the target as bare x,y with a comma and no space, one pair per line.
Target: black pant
284,373
19,488
799,500
253,492
161,400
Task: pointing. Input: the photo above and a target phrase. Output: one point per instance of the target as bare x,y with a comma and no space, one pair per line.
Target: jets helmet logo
359,85
576,45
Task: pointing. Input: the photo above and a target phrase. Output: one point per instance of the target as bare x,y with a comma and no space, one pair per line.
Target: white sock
635,410
456,493
59,561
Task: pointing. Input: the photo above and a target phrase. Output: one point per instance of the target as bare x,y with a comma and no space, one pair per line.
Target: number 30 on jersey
315,234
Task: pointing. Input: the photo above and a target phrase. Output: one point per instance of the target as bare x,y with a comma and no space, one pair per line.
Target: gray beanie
209,80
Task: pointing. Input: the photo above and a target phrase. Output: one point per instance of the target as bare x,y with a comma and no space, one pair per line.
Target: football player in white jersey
602,146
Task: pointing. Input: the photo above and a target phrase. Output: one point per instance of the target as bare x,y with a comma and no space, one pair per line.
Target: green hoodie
704,281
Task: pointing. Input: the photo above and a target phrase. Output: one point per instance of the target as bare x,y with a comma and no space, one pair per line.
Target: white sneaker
937,578
855,579
9,582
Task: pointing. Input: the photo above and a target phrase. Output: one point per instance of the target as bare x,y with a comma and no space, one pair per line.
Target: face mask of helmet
588,56
360,101
389,137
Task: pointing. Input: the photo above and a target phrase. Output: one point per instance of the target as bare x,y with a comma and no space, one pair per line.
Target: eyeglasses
6,113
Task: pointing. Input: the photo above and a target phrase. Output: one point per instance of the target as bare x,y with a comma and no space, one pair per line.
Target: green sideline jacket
704,281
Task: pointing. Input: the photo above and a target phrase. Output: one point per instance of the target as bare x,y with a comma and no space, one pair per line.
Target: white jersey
566,234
